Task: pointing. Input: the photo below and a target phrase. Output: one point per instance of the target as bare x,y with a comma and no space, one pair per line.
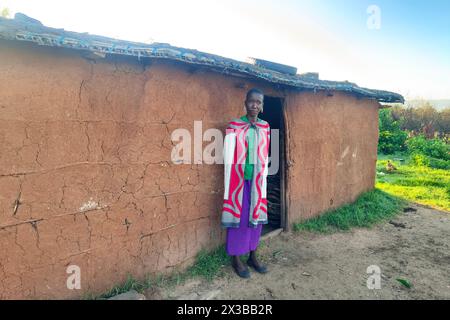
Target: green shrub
420,160
434,148
391,137
439,163
391,142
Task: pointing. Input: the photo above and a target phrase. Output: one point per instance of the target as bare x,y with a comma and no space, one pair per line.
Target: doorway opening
273,114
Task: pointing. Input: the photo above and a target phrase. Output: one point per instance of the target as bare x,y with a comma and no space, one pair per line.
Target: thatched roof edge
30,31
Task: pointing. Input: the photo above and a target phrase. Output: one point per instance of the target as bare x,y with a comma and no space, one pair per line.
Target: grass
424,185
207,265
129,284
371,207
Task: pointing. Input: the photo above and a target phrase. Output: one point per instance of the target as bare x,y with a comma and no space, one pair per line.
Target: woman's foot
255,264
240,269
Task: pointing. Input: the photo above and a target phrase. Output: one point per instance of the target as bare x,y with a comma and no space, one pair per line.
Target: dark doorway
273,113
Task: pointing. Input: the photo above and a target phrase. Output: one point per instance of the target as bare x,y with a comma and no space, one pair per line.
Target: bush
434,148
439,164
420,160
391,137
391,142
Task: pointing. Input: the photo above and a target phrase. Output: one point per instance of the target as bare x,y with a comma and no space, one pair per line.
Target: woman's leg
254,262
239,239
254,242
254,258
236,262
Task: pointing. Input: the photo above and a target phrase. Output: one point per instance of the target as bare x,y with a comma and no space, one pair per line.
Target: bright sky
409,53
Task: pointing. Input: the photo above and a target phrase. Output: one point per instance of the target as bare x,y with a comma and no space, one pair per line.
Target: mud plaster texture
86,177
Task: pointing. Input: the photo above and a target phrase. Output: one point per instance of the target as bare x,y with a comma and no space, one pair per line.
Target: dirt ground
414,246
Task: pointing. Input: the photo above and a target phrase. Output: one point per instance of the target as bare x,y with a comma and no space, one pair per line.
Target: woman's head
254,102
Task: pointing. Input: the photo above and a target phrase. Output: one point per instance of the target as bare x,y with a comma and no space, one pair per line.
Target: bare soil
413,246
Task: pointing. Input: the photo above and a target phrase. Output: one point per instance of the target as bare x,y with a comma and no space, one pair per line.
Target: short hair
252,91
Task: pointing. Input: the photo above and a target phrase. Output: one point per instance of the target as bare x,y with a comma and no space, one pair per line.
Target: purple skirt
244,239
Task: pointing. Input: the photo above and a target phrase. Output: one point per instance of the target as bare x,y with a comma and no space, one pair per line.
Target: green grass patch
207,265
421,184
371,207
129,284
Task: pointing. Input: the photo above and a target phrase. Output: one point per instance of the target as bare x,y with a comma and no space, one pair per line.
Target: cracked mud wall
332,151
85,171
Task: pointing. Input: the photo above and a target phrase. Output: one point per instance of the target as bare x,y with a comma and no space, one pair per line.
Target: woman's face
254,104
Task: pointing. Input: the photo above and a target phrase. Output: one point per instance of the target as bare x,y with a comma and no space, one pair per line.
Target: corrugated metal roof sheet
32,31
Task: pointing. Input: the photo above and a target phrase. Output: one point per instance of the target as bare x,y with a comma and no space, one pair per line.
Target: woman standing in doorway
245,194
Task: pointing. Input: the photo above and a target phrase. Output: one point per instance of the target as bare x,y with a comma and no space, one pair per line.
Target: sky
396,45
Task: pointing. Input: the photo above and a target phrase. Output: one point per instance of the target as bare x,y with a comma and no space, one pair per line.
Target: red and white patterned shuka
235,153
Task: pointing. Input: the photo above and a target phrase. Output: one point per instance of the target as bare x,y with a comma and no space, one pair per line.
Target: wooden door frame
284,221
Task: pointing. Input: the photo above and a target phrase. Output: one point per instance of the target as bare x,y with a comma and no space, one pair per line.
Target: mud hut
87,185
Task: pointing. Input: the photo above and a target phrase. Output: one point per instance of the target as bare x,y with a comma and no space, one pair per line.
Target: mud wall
86,177
332,145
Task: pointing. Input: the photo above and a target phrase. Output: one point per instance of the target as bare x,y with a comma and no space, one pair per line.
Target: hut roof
23,28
